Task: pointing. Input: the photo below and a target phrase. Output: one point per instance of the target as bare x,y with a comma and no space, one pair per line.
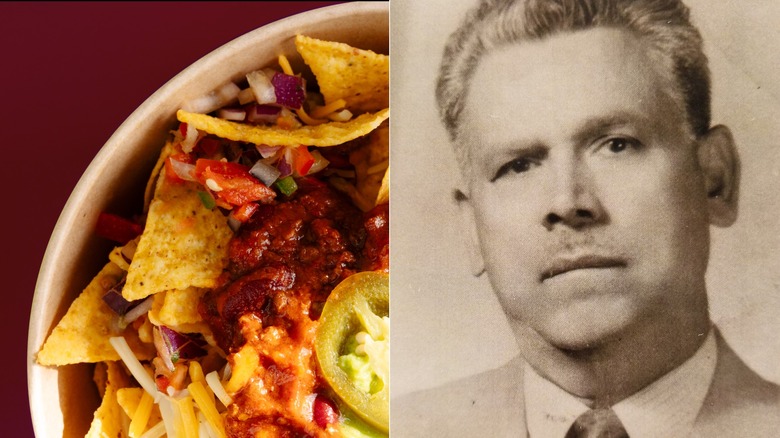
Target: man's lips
561,265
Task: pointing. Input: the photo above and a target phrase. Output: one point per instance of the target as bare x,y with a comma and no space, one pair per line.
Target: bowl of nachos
221,267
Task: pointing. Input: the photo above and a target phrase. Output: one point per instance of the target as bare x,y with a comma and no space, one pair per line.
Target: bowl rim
72,215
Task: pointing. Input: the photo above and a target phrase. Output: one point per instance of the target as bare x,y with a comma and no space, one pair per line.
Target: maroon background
70,74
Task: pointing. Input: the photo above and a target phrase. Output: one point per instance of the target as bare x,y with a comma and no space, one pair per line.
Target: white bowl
62,400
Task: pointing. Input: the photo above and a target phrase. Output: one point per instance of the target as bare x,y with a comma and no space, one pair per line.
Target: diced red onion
182,346
139,310
319,162
265,172
267,110
284,166
262,114
114,299
289,90
267,151
185,171
162,349
190,139
227,93
261,86
235,114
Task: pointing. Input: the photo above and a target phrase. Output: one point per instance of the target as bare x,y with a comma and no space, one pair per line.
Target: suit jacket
739,403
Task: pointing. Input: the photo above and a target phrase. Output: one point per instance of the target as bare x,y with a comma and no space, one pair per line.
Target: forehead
550,86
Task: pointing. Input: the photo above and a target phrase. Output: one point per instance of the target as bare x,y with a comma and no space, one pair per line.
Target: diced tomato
209,146
183,129
170,173
162,382
245,212
117,228
302,160
223,168
232,182
221,203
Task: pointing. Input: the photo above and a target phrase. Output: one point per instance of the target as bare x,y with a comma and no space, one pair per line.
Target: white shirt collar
667,407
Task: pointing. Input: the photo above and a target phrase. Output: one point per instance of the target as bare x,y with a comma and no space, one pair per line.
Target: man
591,176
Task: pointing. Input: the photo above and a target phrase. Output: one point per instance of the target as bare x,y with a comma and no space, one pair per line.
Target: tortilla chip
177,307
110,419
82,335
360,77
184,243
326,134
122,255
167,304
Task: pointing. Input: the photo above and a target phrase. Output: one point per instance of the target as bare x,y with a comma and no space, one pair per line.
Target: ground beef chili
283,264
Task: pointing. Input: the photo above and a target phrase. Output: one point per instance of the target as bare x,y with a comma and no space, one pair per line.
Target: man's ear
468,225
719,161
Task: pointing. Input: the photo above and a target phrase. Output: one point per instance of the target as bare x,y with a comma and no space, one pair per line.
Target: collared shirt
665,408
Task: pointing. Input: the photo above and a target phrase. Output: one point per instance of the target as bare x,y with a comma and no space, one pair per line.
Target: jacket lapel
489,404
739,402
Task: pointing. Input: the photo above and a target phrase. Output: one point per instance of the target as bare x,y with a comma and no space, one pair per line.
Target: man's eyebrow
532,151
596,126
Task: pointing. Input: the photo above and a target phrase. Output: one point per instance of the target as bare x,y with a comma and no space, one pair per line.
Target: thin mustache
568,240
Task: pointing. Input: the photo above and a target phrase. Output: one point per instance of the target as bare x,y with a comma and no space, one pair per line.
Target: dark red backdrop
70,74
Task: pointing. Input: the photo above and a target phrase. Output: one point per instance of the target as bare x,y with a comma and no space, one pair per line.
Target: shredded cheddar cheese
141,415
207,407
188,418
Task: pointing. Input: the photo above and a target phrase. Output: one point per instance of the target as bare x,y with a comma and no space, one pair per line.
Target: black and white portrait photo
586,218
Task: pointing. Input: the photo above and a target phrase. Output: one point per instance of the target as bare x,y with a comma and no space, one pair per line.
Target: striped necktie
597,423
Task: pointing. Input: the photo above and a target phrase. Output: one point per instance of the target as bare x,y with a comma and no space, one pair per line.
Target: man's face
585,190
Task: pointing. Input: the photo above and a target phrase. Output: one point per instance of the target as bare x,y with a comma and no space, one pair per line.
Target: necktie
597,423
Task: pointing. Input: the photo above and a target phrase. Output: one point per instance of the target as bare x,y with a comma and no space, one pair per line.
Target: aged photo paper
447,324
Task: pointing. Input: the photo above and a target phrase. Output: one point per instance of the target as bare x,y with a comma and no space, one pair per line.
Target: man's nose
574,202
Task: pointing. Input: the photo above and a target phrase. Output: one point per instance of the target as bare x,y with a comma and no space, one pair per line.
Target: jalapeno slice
355,325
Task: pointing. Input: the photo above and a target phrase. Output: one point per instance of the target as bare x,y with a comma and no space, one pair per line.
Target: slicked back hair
664,26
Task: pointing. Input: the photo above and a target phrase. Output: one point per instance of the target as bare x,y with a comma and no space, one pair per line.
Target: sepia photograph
585,219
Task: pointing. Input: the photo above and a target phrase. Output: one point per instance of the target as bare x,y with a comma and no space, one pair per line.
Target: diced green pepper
206,199
286,185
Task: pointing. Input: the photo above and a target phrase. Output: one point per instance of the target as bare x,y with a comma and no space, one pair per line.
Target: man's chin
584,329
